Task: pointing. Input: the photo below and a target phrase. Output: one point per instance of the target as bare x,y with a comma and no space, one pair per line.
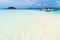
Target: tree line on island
11,8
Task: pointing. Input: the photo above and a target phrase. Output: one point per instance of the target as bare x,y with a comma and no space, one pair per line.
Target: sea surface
29,25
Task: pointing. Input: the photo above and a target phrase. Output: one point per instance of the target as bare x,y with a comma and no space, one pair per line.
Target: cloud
58,4
39,4
4,1
30,2
44,4
27,3
57,1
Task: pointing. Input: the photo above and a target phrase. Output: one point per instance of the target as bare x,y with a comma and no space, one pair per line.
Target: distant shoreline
28,9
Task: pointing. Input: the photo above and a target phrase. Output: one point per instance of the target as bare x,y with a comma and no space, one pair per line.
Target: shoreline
29,25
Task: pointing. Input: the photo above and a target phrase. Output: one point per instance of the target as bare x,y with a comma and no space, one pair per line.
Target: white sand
29,25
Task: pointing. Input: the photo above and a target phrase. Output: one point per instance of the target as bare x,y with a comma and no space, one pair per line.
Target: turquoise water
52,12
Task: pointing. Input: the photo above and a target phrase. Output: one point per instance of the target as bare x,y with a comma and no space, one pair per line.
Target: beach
29,25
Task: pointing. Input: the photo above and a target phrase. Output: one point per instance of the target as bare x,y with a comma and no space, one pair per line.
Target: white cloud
30,2
45,4
39,4
4,1
23,2
57,1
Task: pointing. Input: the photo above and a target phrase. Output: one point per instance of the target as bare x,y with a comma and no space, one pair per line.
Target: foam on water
29,25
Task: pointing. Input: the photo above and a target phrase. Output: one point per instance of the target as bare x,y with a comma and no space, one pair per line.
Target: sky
29,3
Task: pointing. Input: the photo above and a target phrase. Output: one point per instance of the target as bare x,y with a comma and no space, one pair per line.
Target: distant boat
47,8
11,8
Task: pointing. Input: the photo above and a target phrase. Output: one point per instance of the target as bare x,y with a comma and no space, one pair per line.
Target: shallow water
29,25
